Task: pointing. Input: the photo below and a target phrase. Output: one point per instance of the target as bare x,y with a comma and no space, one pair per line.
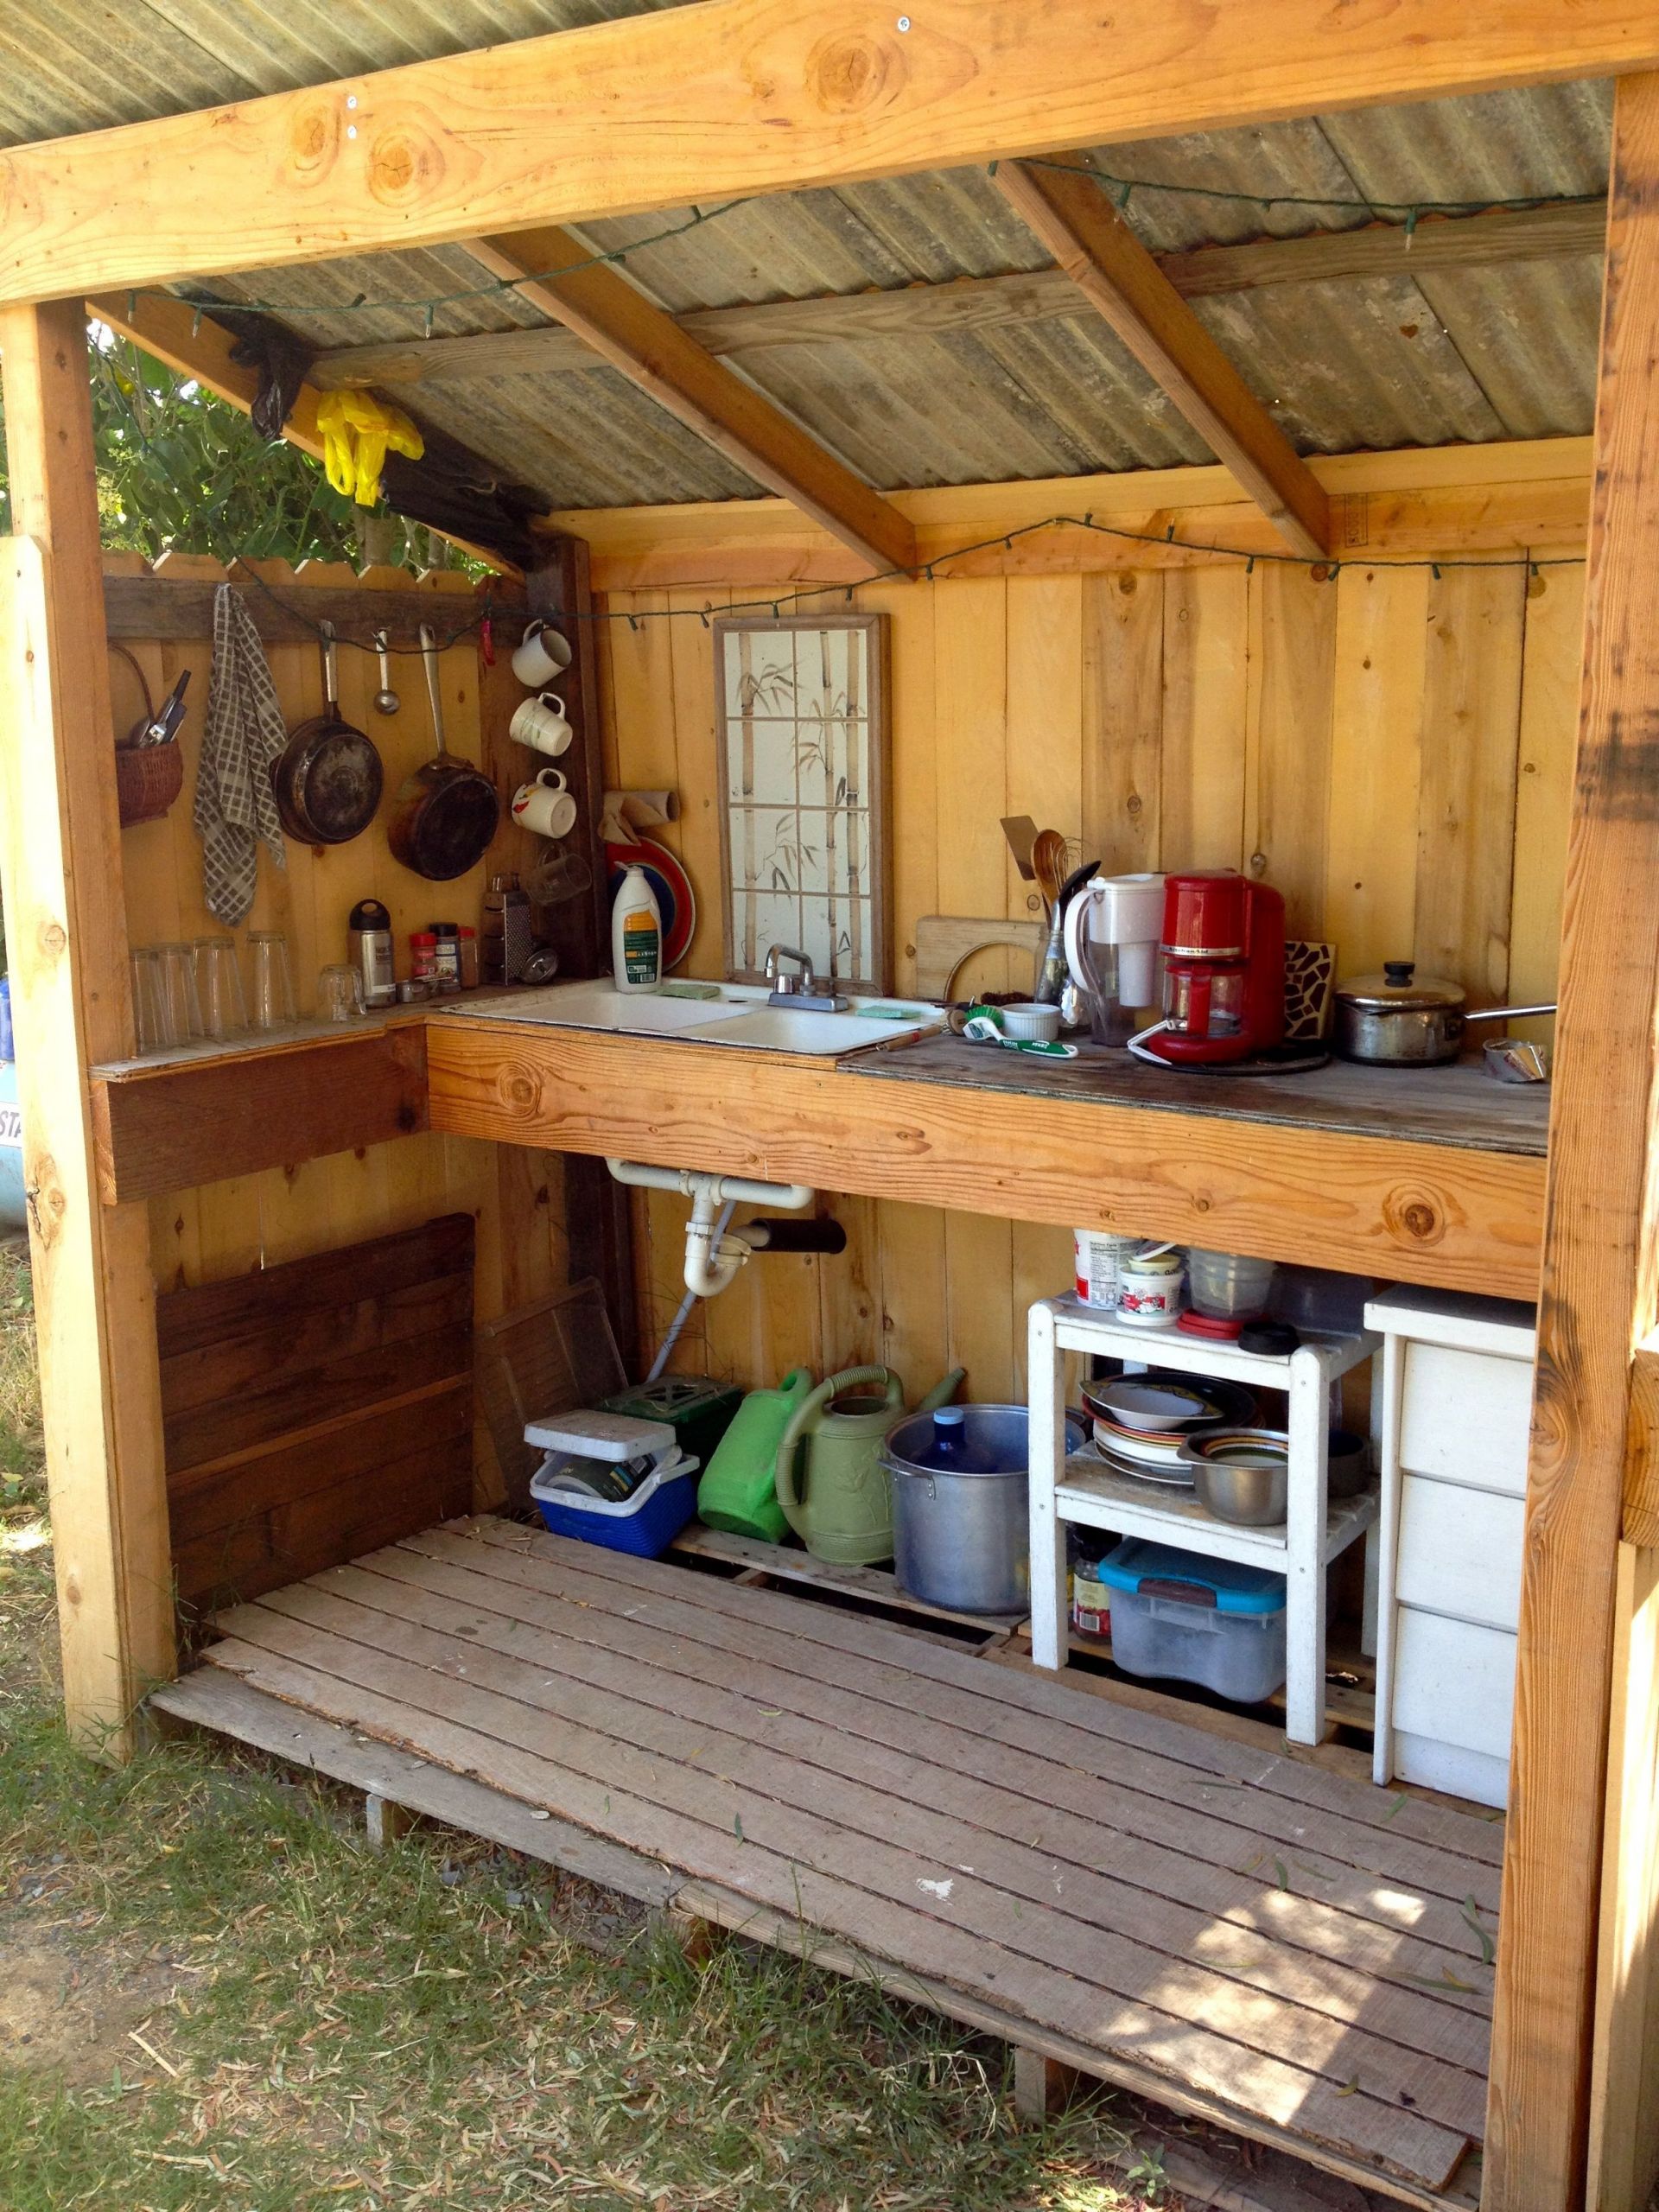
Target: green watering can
830,1478
736,1493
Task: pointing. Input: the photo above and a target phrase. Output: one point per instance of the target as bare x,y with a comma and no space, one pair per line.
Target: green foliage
180,470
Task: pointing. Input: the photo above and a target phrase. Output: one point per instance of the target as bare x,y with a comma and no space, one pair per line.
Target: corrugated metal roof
1505,352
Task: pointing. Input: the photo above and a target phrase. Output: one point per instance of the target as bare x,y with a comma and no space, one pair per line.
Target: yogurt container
1149,1293
1097,1259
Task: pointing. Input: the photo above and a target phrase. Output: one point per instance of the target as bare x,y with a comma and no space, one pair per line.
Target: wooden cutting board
945,943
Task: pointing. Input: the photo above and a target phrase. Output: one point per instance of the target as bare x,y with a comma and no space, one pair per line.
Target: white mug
545,805
542,723
543,655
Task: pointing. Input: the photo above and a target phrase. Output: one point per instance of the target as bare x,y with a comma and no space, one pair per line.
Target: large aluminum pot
962,1541
1403,1019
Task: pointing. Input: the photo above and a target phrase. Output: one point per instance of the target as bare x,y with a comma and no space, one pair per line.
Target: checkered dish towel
235,808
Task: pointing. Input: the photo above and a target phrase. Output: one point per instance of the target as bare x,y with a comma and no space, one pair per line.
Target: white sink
739,1016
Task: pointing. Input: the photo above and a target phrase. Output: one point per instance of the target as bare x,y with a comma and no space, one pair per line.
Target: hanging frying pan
448,810
328,778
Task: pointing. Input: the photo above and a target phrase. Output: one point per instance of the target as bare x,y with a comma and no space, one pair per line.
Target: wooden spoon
1048,861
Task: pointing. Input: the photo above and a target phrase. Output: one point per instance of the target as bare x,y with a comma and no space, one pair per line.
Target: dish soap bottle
636,934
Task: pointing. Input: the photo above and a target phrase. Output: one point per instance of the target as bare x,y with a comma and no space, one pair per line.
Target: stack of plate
1142,1421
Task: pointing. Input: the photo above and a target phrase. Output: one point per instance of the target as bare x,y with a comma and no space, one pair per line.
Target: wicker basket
147,778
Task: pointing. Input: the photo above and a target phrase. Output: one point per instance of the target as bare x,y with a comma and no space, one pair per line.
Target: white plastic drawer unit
1455,1395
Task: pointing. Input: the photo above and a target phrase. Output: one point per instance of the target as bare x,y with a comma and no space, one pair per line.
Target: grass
281,2020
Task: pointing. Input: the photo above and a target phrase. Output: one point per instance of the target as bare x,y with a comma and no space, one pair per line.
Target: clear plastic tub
1228,1286
1183,1618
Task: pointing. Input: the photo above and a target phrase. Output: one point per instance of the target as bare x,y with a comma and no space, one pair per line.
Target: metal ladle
386,701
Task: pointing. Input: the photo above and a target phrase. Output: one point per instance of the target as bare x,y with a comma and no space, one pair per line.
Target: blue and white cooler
613,1479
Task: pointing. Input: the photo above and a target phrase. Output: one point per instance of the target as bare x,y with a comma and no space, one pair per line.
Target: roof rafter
1101,256
664,109
621,324
1495,238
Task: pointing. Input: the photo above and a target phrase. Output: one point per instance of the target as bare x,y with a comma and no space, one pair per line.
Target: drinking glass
218,986
272,990
339,993
151,1013
177,965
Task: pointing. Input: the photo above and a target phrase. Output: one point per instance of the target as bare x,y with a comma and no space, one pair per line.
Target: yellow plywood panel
913,1317
1549,719
1370,874
979,1274
1466,804
1043,774
1206,654
1293,620
1122,719
970,678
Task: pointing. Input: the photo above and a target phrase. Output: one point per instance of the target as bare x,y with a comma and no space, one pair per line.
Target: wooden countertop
1460,1106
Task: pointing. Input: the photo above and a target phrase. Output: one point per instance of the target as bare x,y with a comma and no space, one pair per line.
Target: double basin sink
739,1016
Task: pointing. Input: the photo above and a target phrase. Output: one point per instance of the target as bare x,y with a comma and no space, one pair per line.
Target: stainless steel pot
1403,1019
1241,1475
962,1541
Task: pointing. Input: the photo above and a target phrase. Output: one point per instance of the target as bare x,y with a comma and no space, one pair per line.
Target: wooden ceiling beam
623,328
1101,256
666,109
1493,238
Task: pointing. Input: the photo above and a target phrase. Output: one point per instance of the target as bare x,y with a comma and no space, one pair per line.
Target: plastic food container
1097,1256
1227,1285
1150,1291
1188,1619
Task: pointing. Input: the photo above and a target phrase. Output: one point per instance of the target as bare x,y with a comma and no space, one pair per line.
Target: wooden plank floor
1281,1945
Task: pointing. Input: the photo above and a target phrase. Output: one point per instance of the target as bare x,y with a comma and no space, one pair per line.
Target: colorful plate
672,886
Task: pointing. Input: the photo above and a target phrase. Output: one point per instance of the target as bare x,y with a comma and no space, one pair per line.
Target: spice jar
469,969
448,951
423,957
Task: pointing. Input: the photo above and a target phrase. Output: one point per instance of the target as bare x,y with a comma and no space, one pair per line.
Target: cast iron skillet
448,810
328,777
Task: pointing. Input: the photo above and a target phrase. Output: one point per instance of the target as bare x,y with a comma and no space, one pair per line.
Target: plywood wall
1392,747
225,1228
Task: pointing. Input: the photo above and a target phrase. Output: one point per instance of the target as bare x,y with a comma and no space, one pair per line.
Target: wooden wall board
315,1406
173,1129
167,605
1433,502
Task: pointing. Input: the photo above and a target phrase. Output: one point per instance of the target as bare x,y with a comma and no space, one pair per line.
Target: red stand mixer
1224,947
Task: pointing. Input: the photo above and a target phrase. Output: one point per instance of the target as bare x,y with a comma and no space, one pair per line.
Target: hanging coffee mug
541,722
543,656
545,805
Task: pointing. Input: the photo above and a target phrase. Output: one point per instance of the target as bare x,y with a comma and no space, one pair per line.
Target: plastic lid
951,1416
421,936
595,1435
443,929
1237,1588
465,931
1401,986
367,914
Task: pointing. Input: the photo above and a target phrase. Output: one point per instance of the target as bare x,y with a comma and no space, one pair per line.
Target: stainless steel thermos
370,952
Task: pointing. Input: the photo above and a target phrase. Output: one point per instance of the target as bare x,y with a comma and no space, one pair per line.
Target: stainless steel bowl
1240,1475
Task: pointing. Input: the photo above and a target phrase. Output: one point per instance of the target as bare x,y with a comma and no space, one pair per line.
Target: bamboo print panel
1392,750
801,742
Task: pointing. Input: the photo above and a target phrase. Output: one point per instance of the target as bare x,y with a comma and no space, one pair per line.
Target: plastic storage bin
1190,1619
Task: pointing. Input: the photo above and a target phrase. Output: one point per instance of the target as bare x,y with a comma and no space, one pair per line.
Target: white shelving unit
1084,1490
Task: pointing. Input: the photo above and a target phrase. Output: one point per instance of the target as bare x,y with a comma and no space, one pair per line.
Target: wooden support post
65,931
1042,2087
1600,1291
383,1821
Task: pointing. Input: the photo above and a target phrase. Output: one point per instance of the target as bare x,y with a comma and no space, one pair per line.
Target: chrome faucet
800,990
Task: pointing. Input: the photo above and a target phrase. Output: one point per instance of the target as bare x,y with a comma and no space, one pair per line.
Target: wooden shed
1236,432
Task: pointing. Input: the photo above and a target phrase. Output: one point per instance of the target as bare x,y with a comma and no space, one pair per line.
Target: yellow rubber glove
357,430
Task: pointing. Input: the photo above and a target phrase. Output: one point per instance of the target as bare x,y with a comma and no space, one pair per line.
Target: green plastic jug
736,1492
830,1478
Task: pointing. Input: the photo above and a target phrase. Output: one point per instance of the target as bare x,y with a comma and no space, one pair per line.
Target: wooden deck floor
1285,1948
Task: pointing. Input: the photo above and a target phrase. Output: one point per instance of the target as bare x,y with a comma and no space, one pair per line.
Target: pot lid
1401,987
